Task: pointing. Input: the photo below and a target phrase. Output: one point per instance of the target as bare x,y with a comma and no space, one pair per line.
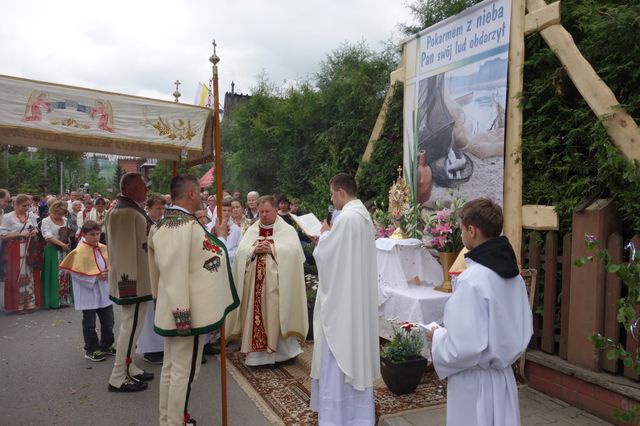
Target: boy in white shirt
88,266
487,325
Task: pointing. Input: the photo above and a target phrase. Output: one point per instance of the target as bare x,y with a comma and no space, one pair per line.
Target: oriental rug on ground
283,394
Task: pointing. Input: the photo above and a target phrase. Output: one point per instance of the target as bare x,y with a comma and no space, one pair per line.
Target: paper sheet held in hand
429,326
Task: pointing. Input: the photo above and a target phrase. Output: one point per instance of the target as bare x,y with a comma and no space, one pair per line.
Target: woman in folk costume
89,269
56,282
150,343
268,271
22,283
191,281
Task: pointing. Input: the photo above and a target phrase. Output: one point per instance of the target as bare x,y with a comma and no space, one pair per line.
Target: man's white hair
253,194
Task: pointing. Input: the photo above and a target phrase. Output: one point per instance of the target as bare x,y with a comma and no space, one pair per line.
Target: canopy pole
214,59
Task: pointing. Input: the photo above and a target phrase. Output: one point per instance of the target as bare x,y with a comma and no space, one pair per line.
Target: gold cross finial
214,59
176,94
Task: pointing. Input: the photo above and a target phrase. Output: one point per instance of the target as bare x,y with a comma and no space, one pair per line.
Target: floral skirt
22,286
56,283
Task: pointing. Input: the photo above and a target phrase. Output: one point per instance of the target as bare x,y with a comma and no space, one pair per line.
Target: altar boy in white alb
487,325
346,357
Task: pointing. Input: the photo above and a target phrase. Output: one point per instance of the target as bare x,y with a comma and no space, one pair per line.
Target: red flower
407,326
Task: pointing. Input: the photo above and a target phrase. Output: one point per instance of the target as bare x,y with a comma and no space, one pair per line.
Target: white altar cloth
400,262
418,304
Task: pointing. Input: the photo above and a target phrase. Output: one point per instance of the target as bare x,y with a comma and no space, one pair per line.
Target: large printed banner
454,105
60,117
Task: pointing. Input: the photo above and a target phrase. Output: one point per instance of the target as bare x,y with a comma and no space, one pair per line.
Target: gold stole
261,329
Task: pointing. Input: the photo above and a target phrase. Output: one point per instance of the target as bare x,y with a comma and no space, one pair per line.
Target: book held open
309,224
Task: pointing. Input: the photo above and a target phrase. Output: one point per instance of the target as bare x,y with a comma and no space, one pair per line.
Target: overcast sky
140,47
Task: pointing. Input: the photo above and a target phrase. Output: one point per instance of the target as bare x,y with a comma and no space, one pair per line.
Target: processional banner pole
214,59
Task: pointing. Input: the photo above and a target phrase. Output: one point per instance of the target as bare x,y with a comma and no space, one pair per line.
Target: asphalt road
45,380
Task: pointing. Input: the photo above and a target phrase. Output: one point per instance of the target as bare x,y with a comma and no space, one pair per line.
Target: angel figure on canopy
105,115
37,101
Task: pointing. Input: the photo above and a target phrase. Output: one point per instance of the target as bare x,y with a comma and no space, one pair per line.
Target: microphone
330,211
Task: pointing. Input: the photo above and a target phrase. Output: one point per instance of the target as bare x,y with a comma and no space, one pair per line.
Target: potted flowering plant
444,235
401,362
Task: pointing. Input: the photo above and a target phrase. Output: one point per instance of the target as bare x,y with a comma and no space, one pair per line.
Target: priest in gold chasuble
269,275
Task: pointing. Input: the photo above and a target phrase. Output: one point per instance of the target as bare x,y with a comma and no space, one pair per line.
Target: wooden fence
553,256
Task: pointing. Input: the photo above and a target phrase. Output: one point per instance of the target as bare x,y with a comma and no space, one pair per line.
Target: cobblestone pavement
536,408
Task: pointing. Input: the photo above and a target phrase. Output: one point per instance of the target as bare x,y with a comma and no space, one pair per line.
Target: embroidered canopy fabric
67,118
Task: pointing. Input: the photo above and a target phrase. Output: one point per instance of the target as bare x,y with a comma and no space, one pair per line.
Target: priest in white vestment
346,356
487,325
269,275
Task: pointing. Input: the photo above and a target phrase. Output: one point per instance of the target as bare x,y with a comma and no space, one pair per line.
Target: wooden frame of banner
512,184
620,126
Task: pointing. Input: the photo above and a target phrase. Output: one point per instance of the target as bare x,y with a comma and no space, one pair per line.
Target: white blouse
10,223
50,229
99,218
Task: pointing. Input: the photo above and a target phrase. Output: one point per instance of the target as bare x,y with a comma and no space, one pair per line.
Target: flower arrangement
383,222
442,230
311,286
406,343
409,221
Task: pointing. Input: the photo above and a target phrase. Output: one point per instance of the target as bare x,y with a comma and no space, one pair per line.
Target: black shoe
154,357
287,362
211,349
129,387
144,377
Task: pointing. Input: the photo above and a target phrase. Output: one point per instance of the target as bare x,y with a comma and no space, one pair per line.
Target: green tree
429,12
376,176
294,140
116,179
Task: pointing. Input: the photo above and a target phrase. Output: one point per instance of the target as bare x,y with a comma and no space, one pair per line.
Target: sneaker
95,356
154,357
109,351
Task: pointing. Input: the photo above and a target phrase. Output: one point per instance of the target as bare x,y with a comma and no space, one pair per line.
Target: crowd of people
178,274
36,233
